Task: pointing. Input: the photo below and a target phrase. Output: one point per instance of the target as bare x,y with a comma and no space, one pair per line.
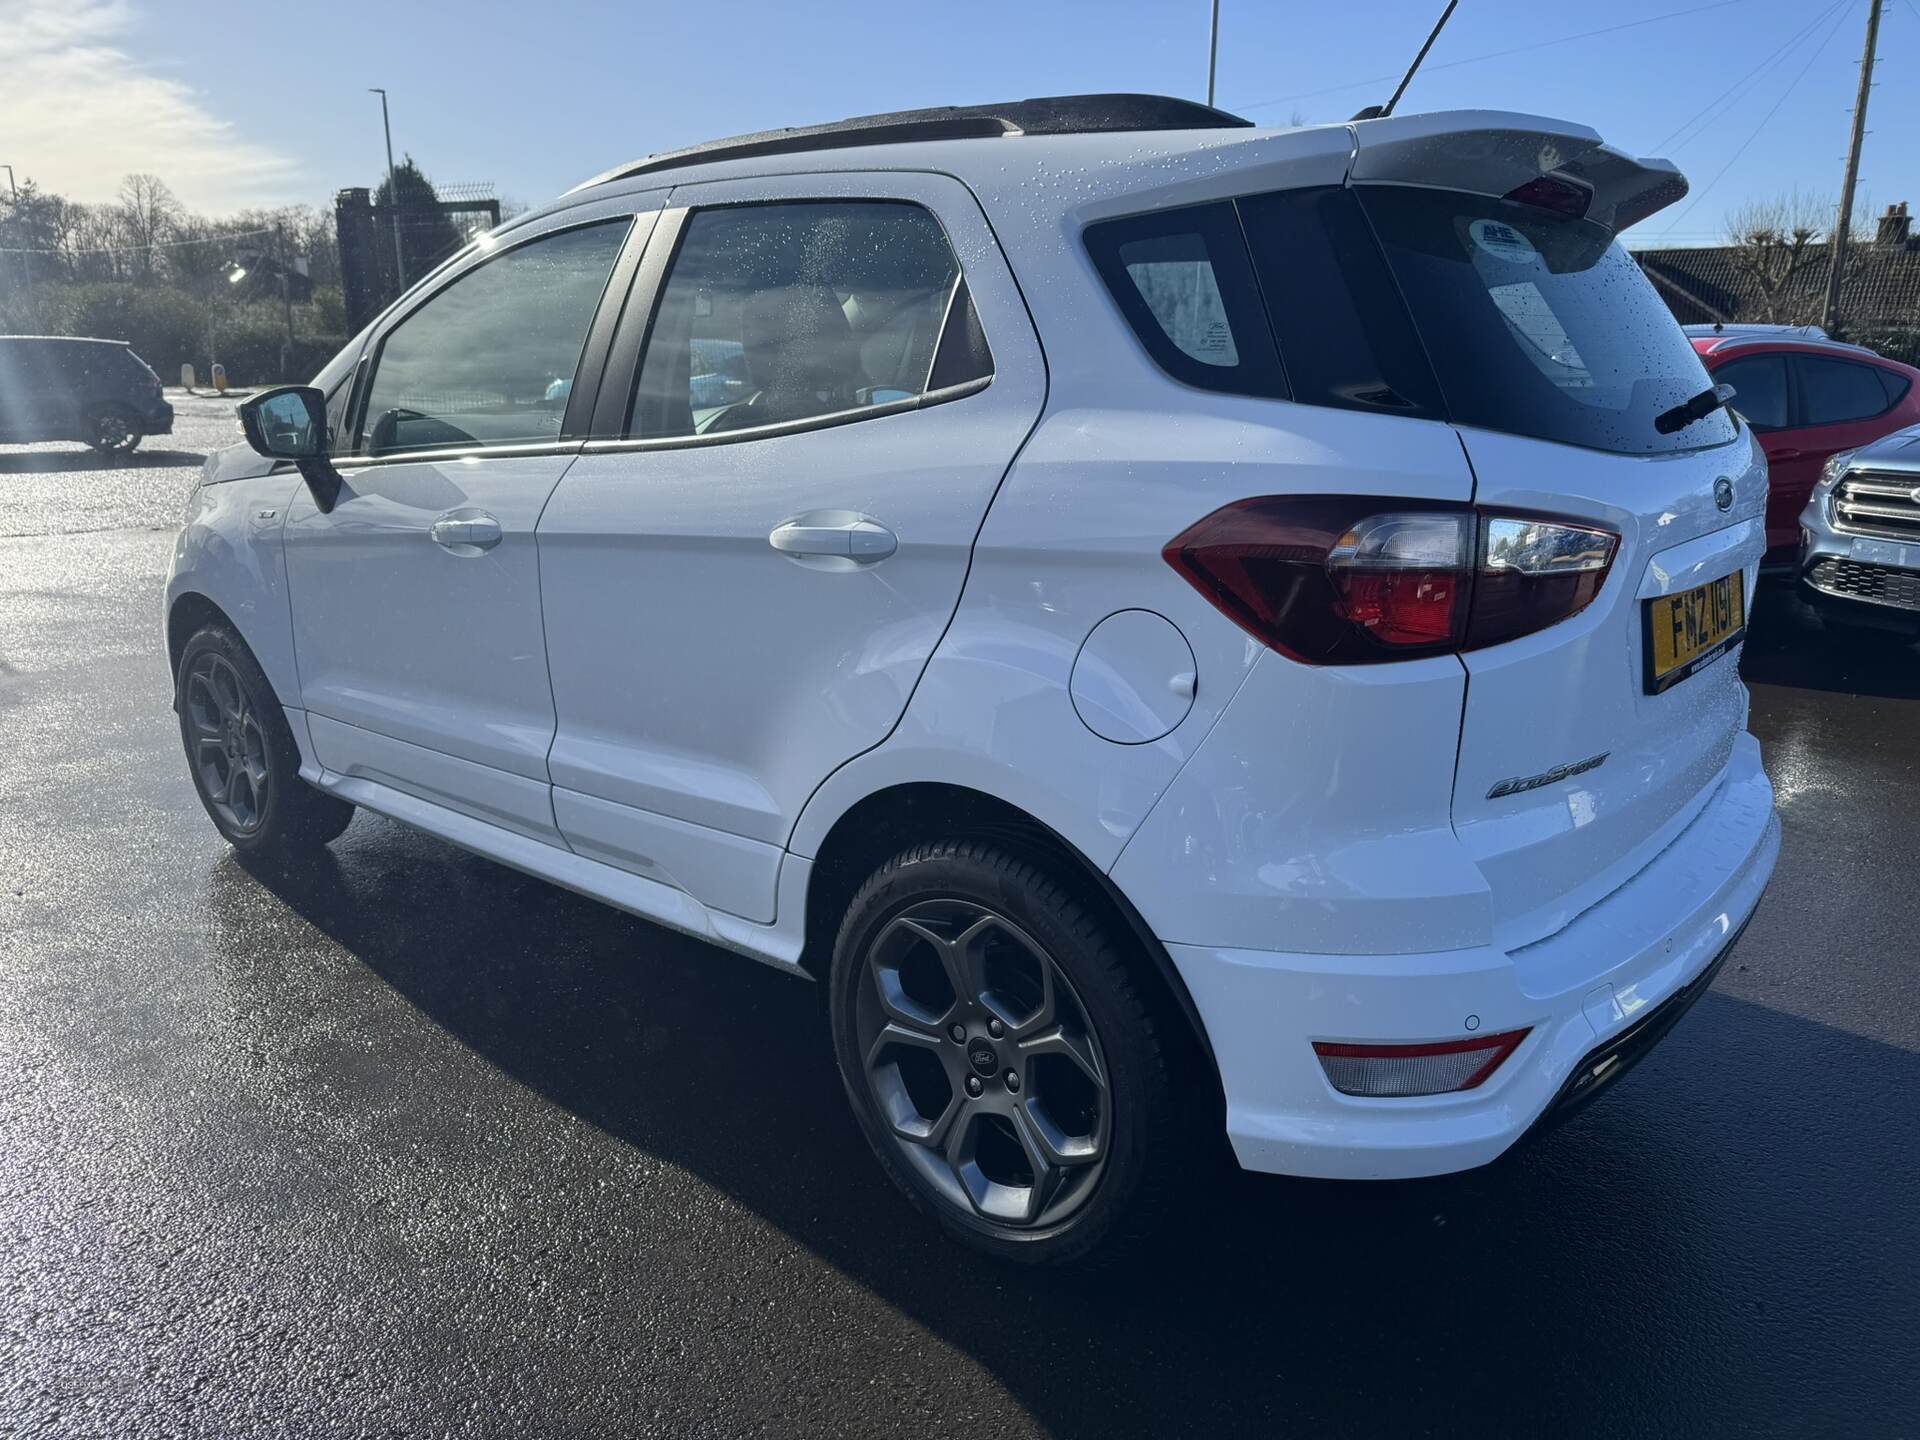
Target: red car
1807,398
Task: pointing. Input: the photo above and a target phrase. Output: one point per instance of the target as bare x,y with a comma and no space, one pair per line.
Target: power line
1754,134
1779,54
1496,54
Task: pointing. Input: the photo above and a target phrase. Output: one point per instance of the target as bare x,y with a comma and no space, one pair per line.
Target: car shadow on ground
27,462
1688,1237
1786,645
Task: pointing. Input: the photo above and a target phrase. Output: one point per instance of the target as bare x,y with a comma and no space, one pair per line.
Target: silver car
1860,538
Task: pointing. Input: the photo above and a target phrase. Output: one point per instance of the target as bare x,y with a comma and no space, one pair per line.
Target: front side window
1759,389
1834,392
778,313
490,359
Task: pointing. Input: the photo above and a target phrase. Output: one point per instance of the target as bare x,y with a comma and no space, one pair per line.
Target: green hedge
167,327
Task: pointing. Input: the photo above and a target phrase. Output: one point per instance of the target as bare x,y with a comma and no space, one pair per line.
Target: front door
741,595
416,600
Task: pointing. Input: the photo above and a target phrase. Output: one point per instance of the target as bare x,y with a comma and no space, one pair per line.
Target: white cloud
78,114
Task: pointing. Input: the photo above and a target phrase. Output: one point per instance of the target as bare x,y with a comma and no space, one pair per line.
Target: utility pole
1213,50
393,188
1830,317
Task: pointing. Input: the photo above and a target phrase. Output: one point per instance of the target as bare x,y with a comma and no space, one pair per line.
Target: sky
238,106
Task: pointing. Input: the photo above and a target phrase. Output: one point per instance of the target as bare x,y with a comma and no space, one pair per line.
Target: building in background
1880,299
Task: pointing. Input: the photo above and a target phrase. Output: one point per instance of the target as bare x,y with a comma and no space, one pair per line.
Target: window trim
612,427
367,368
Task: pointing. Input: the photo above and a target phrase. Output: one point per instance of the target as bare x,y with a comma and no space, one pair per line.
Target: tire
112,430
242,757
964,933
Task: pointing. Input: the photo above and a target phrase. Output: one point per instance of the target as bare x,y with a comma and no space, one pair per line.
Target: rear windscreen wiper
1688,411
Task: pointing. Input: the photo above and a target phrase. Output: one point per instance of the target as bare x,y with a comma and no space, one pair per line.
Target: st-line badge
1520,784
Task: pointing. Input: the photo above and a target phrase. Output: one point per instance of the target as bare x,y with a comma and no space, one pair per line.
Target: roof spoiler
1492,152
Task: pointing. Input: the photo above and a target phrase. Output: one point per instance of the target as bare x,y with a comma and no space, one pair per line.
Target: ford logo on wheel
1723,493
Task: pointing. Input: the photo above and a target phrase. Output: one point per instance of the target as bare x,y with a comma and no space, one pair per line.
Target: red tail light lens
1354,580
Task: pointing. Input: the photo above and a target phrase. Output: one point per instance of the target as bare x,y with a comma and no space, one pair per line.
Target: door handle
1788,454
466,534
860,540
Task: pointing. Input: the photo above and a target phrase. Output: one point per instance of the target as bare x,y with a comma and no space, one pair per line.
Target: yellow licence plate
1688,631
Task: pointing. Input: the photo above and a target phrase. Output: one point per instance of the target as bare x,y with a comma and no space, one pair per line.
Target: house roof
1704,285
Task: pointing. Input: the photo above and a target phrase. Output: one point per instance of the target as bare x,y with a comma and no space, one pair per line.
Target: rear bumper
1610,983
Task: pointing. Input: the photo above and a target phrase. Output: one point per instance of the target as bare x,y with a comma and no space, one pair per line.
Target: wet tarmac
412,1144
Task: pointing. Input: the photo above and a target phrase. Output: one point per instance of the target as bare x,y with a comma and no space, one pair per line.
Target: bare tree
149,212
1773,242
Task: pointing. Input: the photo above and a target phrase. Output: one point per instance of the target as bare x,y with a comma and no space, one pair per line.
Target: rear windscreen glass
1539,325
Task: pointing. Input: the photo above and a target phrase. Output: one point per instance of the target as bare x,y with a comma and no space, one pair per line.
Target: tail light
1354,580
1388,1071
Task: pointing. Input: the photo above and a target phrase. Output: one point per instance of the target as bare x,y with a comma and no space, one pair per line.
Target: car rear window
1538,324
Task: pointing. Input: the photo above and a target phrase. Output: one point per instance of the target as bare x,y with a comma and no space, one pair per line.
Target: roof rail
1044,115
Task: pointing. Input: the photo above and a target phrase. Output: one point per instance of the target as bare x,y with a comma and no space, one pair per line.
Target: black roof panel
1044,115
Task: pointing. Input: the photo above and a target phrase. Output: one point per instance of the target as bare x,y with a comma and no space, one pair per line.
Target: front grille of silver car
1877,584
1886,505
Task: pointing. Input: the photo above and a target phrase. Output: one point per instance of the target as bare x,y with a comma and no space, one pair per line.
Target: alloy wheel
112,431
226,743
981,1062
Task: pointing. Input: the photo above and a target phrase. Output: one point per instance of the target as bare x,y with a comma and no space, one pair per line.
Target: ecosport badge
1520,784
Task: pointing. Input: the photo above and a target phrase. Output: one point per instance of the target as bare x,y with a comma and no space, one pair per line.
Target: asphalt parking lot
413,1144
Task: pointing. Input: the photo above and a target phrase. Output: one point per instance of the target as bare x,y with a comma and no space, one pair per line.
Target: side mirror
290,423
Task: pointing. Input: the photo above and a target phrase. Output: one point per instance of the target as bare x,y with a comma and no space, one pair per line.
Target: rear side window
1833,392
1760,389
1183,280
1538,324
779,313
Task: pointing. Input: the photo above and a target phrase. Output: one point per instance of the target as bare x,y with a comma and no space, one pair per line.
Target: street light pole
286,292
393,187
26,261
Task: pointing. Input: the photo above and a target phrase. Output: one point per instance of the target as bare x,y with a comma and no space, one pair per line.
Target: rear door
416,599
742,591
1584,747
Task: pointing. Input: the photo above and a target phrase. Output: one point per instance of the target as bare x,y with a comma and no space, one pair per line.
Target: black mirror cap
252,423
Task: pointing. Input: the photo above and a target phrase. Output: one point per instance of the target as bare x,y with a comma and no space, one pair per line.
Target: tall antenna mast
1212,52
1381,112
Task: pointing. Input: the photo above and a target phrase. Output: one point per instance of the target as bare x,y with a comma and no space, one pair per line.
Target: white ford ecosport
1177,626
